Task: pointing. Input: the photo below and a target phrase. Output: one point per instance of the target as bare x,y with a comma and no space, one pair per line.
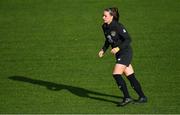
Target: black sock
136,85
122,85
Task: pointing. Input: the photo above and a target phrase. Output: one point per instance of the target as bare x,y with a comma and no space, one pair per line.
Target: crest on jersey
113,33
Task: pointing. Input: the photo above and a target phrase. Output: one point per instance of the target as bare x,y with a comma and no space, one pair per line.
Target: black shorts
124,57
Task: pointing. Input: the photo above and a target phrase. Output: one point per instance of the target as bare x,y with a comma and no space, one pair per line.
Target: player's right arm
104,48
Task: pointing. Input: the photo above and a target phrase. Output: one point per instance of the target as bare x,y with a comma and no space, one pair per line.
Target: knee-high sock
121,85
136,85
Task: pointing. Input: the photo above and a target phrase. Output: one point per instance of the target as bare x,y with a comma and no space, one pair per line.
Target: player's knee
129,70
117,71
128,73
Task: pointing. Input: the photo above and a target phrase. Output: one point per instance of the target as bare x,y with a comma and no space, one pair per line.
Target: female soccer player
117,36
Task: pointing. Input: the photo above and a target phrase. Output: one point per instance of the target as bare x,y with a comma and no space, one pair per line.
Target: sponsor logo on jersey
110,40
113,33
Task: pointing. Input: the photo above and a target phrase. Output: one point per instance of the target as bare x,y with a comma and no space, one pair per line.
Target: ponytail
113,12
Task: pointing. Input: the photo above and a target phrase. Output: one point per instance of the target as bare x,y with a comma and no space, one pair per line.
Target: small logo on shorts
119,59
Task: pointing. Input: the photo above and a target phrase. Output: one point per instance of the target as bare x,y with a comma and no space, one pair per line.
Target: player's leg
129,72
117,74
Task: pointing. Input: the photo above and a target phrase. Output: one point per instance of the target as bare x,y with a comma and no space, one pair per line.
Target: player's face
107,18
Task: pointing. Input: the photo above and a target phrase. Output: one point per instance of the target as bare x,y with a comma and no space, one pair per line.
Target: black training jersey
116,35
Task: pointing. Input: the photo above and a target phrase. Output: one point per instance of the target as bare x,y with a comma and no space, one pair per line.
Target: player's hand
115,50
101,53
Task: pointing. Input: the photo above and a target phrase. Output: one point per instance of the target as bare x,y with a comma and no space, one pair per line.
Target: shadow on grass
81,92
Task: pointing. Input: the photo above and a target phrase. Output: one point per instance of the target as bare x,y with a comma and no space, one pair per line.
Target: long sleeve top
116,35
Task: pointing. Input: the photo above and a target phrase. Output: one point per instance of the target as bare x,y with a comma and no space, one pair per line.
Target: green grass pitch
49,62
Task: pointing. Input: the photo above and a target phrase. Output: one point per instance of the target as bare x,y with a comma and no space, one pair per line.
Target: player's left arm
126,40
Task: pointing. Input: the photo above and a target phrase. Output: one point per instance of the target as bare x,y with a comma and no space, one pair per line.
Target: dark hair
113,12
